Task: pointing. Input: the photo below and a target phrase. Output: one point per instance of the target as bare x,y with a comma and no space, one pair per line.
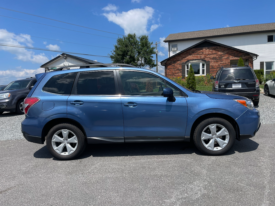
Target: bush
180,81
259,73
270,76
191,81
240,62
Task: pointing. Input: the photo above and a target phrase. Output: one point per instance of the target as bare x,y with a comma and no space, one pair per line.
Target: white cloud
161,54
163,44
45,42
8,76
133,21
137,1
20,40
53,47
110,7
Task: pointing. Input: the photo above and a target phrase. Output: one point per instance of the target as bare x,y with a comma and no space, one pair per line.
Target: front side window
198,67
96,83
60,84
141,83
22,84
270,38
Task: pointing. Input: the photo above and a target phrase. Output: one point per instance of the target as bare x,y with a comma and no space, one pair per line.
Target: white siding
254,43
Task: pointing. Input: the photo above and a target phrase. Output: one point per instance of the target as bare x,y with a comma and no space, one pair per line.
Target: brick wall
218,57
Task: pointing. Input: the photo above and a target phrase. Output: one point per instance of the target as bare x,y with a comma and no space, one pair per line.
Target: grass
204,88
262,86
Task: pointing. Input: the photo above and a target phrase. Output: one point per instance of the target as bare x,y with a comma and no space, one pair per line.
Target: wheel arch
57,121
211,115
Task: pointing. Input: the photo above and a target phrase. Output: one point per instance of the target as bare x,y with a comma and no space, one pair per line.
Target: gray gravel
10,124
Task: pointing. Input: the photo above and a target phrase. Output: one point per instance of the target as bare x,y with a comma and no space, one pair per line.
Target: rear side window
60,84
236,74
96,83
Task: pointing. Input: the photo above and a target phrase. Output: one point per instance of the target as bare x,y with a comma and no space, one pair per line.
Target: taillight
216,84
29,102
257,83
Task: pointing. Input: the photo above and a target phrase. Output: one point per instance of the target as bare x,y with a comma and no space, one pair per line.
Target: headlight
247,103
5,95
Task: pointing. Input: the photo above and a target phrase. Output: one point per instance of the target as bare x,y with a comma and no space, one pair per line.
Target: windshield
17,85
237,74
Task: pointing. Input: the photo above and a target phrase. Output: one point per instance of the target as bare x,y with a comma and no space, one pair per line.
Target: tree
135,51
191,81
240,62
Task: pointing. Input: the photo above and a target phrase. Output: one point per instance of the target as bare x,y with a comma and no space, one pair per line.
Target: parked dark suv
238,80
13,95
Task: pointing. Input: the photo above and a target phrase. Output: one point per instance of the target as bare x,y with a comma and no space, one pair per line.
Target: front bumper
6,105
242,137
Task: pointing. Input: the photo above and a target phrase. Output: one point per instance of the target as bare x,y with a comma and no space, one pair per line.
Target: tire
1,112
228,138
256,103
65,152
266,90
19,107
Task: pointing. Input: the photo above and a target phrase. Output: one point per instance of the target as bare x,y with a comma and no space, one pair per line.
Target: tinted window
18,85
236,74
270,38
140,83
60,84
96,83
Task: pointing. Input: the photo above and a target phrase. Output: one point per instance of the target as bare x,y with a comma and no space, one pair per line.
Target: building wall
254,43
217,56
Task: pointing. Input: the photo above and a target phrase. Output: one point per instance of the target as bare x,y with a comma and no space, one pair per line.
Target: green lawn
204,88
262,86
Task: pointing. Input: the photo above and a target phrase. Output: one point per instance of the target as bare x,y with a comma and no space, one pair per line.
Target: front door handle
77,103
130,104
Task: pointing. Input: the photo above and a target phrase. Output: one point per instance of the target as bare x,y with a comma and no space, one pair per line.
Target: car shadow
149,149
9,114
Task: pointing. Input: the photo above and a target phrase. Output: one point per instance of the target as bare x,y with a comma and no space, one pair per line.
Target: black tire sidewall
18,111
80,137
206,122
267,89
256,103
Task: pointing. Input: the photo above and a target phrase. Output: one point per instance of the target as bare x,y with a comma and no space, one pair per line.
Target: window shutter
208,67
261,65
183,70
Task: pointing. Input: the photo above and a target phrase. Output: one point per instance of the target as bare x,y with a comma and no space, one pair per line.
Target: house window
270,38
174,47
269,66
198,66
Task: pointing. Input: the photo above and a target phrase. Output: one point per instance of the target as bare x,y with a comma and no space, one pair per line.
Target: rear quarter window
236,74
60,84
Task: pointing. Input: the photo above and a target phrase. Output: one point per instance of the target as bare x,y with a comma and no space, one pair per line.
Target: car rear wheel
266,90
66,141
20,107
256,103
214,136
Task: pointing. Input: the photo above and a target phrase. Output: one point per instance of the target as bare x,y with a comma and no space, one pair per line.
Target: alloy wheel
64,142
21,107
215,137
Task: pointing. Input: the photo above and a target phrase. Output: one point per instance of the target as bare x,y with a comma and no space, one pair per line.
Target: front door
148,116
95,103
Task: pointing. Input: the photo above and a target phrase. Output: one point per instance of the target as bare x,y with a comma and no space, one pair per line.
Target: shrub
191,81
270,76
240,62
180,81
259,74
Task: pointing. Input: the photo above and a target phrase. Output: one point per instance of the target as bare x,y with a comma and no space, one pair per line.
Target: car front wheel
266,90
214,136
20,107
66,141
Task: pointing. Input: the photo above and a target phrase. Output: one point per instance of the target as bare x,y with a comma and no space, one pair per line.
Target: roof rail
84,66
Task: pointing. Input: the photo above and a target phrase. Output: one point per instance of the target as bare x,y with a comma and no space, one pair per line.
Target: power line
70,42
64,22
33,48
58,27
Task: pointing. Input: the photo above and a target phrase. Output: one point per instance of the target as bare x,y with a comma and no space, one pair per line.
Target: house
66,60
209,50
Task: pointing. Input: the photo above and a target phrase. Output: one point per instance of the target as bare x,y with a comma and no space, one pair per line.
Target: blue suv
72,108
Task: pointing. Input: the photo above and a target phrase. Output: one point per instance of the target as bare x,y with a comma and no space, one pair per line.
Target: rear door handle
77,103
130,104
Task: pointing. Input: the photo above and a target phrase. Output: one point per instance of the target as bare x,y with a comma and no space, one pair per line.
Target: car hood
220,95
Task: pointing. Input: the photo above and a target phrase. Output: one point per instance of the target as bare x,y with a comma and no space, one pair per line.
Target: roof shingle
255,28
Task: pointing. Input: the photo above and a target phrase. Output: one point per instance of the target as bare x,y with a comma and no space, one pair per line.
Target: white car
269,87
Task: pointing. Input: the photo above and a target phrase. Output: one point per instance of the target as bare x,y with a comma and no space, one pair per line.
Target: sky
155,18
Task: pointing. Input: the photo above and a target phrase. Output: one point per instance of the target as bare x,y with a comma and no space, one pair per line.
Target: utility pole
157,69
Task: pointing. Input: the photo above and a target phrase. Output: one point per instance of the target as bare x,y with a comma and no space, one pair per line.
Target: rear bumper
33,139
32,131
251,95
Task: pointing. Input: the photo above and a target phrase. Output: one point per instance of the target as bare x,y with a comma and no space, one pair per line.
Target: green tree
191,81
137,51
240,62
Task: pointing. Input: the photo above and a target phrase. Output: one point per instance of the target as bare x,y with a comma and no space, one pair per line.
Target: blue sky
156,18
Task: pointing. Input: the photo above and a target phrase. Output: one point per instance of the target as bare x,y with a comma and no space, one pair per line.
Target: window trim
74,90
183,94
196,61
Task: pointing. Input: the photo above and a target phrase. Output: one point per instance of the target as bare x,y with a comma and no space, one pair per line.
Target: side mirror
168,92
212,77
